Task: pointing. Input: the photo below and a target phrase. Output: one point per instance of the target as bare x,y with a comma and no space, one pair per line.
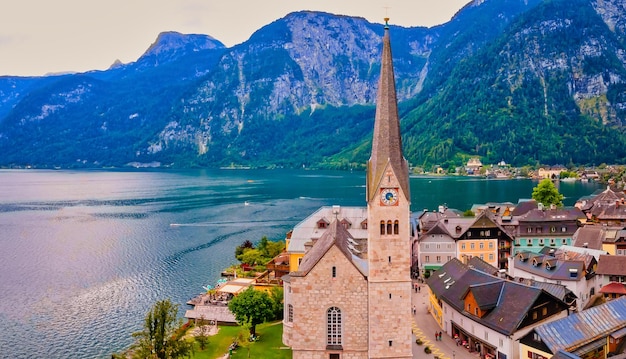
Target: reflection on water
84,254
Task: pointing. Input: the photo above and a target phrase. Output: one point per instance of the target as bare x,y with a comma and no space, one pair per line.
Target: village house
607,208
438,245
484,238
473,166
593,333
612,272
486,314
541,227
553,172
574,270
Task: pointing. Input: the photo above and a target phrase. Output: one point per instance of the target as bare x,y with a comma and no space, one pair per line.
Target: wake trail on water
227,223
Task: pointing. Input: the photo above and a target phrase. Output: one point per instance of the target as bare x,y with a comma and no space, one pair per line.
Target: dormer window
346,224
322,223
364,224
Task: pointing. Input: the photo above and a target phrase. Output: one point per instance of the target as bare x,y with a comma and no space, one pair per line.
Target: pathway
425,326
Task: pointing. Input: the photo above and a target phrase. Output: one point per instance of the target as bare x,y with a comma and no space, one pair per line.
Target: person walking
439,336
414,310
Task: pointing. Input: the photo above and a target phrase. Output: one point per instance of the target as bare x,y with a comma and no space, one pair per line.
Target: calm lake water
84,254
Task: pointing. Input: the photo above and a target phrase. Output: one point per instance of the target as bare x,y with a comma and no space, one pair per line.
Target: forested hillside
524,81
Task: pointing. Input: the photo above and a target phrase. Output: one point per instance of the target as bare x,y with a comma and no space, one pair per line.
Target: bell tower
388,208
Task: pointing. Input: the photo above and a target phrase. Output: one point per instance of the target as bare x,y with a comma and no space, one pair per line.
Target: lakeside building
341,302
487,314
593,333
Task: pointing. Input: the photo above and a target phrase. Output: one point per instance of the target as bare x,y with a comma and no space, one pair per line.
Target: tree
547,194
160,337
276,294
252,305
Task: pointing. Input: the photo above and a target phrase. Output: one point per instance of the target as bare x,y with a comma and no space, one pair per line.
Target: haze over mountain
524,81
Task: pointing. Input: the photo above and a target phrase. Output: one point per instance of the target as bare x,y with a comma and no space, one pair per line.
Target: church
344,304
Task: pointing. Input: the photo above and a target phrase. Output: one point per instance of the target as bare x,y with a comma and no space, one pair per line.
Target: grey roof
481,265
572,270
335,235
579,329
557,290
611,265
386,141
508,303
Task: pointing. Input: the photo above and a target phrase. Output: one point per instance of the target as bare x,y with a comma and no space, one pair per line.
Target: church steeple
386,143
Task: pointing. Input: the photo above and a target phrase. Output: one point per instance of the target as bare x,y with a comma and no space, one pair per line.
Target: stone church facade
342,306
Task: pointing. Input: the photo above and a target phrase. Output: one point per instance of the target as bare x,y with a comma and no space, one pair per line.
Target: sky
39,37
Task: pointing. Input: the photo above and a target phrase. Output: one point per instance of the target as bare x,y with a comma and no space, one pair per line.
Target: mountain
525,81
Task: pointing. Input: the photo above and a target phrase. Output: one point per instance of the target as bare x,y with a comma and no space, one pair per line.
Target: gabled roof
454,280
486,220
611,265
487,295
335,235
582,328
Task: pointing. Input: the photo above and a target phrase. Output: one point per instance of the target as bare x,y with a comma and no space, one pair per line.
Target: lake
84,254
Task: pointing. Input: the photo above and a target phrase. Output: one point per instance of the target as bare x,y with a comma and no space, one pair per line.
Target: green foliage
264,252
161,337
547,194
277,296
469,213
252,305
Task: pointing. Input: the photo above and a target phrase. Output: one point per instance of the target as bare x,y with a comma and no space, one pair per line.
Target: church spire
386,143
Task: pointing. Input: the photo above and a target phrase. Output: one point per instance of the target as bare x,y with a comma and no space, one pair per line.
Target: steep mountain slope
98,118
537,94
526,81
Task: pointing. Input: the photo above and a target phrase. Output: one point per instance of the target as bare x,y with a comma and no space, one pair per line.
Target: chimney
586,245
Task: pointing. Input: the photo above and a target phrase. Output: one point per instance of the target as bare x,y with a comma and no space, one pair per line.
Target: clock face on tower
389,196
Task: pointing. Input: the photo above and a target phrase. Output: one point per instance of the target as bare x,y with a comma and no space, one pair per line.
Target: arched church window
396,226
389,227
333,330
382,227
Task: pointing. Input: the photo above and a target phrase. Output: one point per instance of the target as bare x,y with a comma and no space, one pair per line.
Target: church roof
386,142
335,235
308,230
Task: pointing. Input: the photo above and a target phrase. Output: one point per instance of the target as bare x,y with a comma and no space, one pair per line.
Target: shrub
419,341
427,350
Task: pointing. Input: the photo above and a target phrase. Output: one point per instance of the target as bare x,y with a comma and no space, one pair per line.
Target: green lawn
268,346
